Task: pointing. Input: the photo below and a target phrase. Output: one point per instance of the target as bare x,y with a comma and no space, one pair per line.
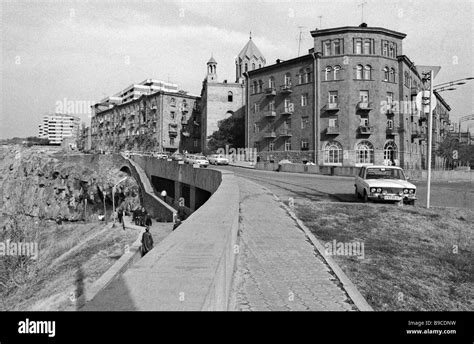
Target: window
288,105
304,99
365,153
389,98
195,143
391,50
172,141
327,73
256,107
304,122
230,96
332,97
332,153
327,48
254,87
337,47
337,70
256,128
287,79
385,74
253,66
287,145
359,72
333,122
300,77
368,72
307,75
172,115
364,96
172,102
390,152
358,47
304,144
260,86
246,67
390,124
392,75
271,106
384,48
364,121
367,47
271,146
271,82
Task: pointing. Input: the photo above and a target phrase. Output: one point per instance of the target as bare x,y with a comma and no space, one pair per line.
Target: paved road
327,188
278,269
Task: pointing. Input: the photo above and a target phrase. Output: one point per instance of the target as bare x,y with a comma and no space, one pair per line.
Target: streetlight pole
430,141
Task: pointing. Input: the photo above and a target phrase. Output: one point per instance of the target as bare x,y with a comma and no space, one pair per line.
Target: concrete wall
205,179
191,269
441,175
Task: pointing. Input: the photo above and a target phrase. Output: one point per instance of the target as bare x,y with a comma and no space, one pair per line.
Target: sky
63,52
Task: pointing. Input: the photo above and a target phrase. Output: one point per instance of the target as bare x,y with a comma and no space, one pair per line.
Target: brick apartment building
358,108
152,119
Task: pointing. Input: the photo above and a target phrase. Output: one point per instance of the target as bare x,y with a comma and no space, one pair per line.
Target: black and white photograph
269,156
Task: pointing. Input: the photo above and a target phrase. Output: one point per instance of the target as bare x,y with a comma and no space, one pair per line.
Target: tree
446,149
231,132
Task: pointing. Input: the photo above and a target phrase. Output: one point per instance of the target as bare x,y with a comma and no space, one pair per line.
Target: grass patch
415,258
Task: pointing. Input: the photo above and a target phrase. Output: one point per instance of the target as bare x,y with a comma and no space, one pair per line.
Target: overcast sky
84,50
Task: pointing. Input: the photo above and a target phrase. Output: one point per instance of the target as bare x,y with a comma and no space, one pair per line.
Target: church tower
249,58
211,70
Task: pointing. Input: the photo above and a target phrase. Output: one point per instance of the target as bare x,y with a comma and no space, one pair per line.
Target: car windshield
385,173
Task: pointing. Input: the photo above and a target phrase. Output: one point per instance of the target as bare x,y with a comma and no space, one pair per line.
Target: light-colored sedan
218,159
200,160
384,183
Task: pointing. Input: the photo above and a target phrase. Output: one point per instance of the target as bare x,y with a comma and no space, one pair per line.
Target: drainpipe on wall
317,97
246,102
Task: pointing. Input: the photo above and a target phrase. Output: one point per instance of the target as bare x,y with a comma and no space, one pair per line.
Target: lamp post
113,197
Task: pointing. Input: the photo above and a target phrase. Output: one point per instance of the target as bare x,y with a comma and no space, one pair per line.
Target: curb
349,287
241,166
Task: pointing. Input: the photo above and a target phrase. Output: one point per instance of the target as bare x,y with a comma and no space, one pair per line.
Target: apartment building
56,127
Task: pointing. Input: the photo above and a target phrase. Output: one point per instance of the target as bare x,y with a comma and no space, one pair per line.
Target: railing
287,111
286,88
269,113
269,134
332,106
270,91
365,106
366,129
285,132
332,130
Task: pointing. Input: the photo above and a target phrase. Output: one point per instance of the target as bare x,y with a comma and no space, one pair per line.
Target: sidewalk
278,269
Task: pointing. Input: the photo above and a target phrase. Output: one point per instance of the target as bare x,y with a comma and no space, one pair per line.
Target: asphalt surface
341,189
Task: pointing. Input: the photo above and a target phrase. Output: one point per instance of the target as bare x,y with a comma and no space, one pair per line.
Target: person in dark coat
181,213
148,221
147,241
120,215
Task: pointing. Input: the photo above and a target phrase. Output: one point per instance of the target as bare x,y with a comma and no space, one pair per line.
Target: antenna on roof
320,21
250,34
362,4
300,38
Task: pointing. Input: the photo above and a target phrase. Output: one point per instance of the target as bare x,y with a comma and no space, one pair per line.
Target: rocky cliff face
47,184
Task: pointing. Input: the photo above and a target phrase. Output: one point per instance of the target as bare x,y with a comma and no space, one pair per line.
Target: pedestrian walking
148,221
120,215
181,213
147,241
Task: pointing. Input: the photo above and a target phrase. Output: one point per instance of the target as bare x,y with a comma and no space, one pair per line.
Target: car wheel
357,193
366,197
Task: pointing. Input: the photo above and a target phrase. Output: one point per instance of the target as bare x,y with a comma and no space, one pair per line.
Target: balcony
414,91
285,132
331,107
269,134
173,129
286,89
332,130
286,112
270,91
392,131
366,130
269,114
364,106
390,110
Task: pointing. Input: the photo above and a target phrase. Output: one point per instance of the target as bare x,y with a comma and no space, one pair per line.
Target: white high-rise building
58,126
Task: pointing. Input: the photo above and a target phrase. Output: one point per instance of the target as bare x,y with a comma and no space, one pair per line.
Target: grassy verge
63,251
414,258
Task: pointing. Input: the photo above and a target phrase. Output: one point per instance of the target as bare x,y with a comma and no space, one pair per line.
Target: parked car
384,183
177,157
160,155
200,160
188,158
218,159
